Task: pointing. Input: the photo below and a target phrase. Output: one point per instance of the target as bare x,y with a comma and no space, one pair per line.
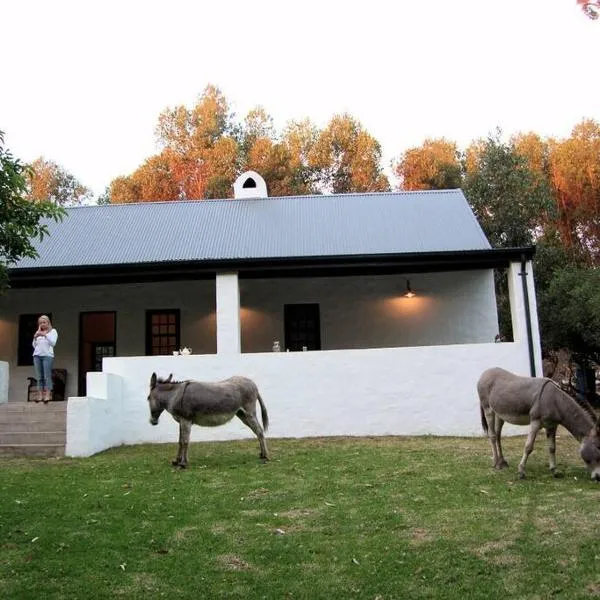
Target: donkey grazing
538,402
209,404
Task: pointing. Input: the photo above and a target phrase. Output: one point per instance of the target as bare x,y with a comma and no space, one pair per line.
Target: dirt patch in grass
231,562
421,536
593,589
496,553
182,533
298,513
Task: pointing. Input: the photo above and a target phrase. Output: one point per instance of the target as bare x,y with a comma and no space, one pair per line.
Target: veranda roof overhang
316,266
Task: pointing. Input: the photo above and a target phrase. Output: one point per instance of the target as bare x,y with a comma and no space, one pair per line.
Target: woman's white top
43,345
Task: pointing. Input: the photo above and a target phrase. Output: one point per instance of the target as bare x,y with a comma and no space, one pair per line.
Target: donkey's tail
263,412
483,420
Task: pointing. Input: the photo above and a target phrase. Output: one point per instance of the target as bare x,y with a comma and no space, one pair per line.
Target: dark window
302,327
249,183
27,327
162,331
101,351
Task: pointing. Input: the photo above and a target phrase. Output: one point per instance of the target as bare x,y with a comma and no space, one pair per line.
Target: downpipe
523,275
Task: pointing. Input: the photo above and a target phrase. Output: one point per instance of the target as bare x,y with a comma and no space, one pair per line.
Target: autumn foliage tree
48,181
434,165
203,150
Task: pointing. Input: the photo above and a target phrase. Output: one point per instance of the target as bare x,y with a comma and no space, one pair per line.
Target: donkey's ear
169,378
153,380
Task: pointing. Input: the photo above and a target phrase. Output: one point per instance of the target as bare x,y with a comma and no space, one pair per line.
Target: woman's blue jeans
43,371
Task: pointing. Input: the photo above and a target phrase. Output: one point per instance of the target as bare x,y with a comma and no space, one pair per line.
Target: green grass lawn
375,518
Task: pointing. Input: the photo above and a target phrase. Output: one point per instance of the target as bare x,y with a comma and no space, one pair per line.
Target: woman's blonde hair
47,319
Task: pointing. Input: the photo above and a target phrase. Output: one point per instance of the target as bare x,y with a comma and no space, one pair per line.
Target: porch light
409,293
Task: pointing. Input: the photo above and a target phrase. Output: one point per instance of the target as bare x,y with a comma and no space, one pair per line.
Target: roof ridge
219,200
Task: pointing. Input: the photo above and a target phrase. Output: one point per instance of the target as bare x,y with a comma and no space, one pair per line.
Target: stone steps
31,429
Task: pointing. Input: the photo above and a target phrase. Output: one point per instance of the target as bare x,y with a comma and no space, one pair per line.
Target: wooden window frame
176,313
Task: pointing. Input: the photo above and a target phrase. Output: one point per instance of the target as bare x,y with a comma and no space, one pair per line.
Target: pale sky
83,83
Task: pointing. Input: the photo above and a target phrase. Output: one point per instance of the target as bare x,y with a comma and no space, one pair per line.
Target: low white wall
393,391
93,422
4,381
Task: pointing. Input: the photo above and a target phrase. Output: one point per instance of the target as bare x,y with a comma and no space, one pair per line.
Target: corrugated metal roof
276,227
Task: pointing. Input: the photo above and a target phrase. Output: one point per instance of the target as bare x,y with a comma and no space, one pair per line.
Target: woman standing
44,340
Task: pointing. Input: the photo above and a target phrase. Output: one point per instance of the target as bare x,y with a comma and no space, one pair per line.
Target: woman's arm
52,337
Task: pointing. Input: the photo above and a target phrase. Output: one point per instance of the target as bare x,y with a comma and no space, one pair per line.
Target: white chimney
250,185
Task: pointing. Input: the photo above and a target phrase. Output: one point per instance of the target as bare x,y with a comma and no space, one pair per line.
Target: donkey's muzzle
596,476
153,421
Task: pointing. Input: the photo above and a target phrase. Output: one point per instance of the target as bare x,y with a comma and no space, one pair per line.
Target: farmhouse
323,278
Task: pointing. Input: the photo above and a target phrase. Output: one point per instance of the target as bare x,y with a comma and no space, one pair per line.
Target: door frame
81,383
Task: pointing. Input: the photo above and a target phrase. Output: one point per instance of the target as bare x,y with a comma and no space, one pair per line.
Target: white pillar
228,314
519,314
4,381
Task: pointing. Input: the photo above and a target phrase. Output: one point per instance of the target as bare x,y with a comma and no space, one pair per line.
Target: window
162,331
101,351
27,327
249,183
302,327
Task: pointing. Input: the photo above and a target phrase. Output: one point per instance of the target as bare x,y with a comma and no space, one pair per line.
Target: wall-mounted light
409,293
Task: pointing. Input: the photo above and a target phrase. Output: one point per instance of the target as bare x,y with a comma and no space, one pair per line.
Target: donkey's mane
576,405
168,380
581,403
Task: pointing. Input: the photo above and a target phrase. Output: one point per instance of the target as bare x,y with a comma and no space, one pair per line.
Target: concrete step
46,450
49,423
16,407
31,429
33,437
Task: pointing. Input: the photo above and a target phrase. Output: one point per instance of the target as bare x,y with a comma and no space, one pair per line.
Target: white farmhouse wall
356,312
370,311
195,299
394,391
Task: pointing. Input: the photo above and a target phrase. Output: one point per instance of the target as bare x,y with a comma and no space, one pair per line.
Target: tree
46,180
20,219
348,158
570,312
510,202
433,166
575,172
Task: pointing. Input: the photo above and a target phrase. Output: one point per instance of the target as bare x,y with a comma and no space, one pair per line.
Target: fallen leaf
122,566
279,531
35,539
355,561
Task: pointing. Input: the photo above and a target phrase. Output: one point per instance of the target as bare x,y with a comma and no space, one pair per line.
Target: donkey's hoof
521,475
501,464
557,474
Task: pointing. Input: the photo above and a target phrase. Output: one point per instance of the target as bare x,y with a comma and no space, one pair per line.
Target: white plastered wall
386,391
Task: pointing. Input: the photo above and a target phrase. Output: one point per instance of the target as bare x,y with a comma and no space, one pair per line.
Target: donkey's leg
533,431
491,423
185,428
251,421
501,464
551,439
